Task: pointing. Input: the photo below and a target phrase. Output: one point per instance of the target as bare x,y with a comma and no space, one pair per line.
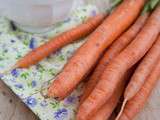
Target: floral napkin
27,84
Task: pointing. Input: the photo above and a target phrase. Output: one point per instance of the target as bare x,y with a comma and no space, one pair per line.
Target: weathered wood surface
11,107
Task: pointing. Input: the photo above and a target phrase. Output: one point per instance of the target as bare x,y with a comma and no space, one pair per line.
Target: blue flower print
1,76
14,73
61,114
44,103
31,102
94,13
32,43
70,100
34,83
20,86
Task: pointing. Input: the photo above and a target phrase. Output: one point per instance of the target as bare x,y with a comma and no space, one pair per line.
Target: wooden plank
11,108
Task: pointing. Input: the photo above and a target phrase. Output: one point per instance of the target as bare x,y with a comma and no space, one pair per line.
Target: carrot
119,65
105,112
59,41
113,116
113,51
144,68
141,73
136,103
88,54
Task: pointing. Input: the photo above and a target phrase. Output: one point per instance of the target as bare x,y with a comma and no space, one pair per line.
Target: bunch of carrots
124,50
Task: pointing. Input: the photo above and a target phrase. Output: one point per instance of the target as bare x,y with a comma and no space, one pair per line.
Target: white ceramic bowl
36,15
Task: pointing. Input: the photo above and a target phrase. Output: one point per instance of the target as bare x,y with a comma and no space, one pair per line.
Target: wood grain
11,108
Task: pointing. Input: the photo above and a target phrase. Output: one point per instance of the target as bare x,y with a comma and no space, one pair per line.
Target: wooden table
11,108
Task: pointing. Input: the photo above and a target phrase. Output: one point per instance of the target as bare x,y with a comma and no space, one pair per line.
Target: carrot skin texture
125,60
113,116
143,71
82,61
59,41
105,112
140,75
113,51
136,104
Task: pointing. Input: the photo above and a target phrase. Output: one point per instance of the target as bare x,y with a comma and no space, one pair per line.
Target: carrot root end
122,108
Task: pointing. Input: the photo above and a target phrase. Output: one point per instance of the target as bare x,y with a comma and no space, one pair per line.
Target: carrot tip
57,98
44,89
44,94
122,108
50,94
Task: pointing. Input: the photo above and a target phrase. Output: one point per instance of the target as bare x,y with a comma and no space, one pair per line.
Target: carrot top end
114,4
150,5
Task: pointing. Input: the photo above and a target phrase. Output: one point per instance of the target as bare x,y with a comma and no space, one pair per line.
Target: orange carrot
141,73
59,41
119,65
135,104
105,112
88,54
114,50
113,116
